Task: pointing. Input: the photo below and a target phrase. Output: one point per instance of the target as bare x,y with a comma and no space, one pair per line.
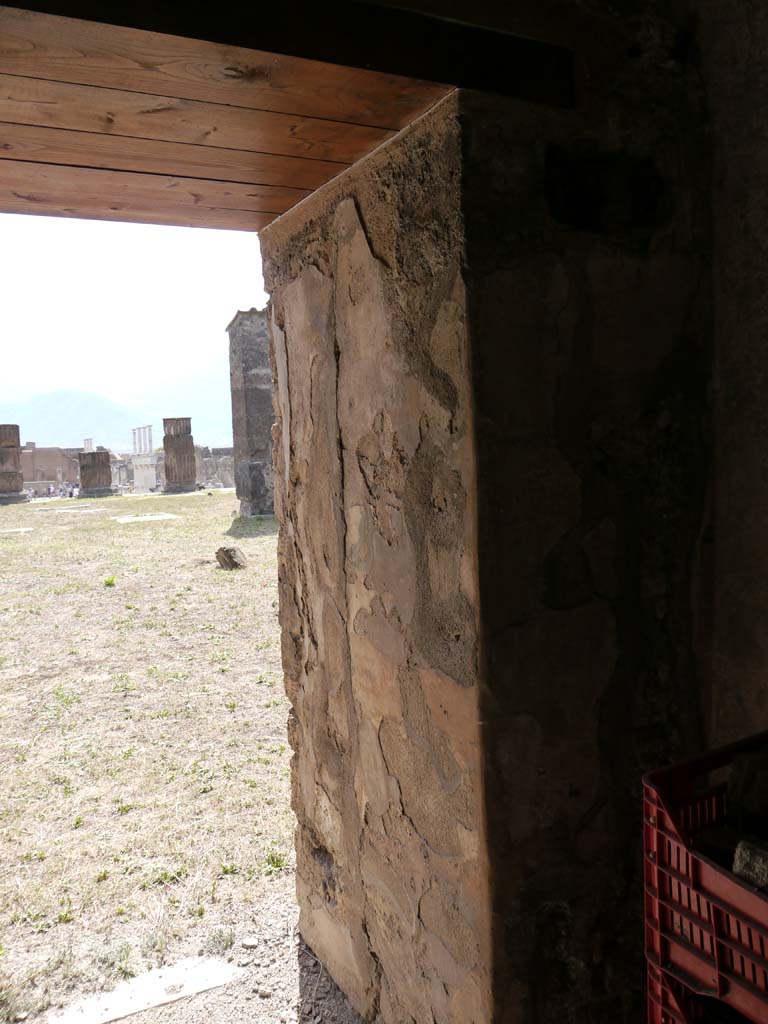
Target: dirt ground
144,806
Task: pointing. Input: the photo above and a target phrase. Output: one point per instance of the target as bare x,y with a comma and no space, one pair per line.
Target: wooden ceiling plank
147,191
135,115
47,206
87,53
113,152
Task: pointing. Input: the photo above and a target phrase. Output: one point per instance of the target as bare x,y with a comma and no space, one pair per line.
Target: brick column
11,480
95,474
252,412
179,447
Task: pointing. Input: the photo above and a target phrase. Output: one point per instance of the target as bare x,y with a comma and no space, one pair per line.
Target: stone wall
11,479
95,474
215,466
252,414
55,464
179,455
145,472
374,489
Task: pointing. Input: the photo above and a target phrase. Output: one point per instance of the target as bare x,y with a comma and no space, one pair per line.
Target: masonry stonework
179,449
11,479
379,604
95,474
252,413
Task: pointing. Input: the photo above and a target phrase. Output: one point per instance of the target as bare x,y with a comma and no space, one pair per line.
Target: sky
132,312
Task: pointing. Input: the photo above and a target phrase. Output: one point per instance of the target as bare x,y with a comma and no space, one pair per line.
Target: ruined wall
95,474
378,597
252,413
215,466
733,589
179,455
145,472
11,479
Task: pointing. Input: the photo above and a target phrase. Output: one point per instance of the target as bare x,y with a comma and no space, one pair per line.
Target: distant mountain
65,418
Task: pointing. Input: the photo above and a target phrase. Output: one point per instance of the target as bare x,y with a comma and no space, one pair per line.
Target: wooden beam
113,152
117,195
33,101
355,34
87,53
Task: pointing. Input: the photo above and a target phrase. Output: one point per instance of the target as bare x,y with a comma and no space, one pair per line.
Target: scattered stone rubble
231,558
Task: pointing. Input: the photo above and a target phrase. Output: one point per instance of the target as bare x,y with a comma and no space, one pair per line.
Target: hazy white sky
118,309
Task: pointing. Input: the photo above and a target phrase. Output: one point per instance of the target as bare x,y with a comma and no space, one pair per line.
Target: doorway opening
146,801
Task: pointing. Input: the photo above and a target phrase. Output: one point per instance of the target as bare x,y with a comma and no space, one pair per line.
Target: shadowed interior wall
733,591
378,595
588,303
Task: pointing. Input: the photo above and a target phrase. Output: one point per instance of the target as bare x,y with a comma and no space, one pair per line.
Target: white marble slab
154,988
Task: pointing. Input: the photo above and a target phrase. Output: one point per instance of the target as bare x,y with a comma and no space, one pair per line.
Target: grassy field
145,789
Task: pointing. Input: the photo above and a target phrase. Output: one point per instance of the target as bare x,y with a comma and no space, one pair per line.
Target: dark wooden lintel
355,34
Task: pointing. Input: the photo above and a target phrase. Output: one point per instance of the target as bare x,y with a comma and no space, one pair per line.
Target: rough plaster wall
734,590
378,597
587,277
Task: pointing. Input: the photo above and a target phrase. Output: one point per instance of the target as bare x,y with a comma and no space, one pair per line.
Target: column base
181,488
253,509
13,499
97,492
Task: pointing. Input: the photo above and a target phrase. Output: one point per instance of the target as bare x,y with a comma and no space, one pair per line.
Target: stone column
252,412
11,480
179,448
95,474
489,478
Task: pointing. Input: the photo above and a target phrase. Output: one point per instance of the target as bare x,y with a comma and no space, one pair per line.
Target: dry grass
144,770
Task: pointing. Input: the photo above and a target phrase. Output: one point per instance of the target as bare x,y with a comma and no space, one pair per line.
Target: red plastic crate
706,931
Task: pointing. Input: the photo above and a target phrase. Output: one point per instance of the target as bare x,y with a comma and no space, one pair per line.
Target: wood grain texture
87,53
163,118
89,149
117,195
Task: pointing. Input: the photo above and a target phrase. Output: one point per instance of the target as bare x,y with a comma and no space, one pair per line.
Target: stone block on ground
750,863
231,558
747,794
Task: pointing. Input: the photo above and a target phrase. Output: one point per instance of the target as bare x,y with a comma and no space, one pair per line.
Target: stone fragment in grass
251,942
231,558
